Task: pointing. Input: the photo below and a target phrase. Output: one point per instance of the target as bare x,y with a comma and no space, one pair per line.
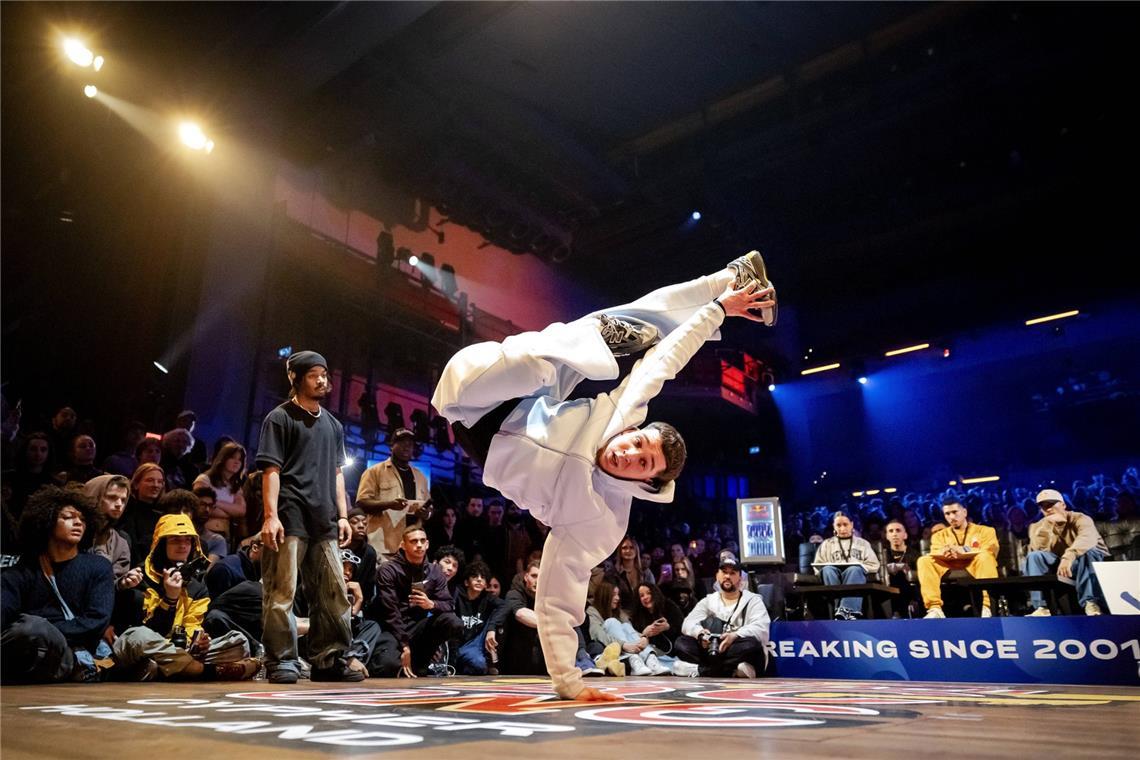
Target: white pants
551,362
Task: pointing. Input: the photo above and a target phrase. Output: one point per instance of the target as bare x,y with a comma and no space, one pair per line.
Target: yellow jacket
194,599
977,538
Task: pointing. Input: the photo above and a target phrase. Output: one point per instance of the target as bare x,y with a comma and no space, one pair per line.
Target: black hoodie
394,582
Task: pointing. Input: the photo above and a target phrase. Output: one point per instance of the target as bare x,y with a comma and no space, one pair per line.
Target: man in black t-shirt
301,453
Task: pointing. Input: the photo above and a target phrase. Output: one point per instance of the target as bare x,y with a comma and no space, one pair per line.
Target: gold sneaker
750,268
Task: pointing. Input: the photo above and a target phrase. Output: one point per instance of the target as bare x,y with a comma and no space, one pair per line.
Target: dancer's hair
673,447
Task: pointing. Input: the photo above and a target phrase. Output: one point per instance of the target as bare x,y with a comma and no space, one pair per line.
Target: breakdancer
576,465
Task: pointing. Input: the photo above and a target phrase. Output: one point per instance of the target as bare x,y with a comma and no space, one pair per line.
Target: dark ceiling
910,170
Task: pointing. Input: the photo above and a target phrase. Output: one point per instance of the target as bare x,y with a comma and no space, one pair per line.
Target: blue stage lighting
695,216
862,381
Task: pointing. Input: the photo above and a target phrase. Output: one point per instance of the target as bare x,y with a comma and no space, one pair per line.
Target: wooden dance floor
511,717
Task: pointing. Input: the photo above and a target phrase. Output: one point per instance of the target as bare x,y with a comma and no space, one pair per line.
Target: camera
714,643
194,569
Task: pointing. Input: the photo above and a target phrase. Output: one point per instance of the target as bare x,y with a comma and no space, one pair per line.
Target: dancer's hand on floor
590,694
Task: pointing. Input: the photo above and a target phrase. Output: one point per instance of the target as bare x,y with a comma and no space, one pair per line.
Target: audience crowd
145,562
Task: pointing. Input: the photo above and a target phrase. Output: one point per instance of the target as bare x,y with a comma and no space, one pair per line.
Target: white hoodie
544,458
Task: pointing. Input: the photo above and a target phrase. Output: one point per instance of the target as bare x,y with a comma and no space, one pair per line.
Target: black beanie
301,362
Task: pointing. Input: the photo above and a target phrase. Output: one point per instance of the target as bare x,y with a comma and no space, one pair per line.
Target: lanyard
846,555
965,534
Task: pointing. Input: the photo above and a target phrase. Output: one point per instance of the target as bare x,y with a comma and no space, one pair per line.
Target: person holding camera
414,605
727,632
170,640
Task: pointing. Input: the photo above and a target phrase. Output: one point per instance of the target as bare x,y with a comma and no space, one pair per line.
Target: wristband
718,303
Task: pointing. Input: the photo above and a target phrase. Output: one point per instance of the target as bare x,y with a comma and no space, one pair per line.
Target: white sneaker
655,666
1092,608
987,612
745,670
1040,612
934,612
593,672
637,666
685,669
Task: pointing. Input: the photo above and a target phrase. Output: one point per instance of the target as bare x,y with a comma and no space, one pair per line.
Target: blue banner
1074,649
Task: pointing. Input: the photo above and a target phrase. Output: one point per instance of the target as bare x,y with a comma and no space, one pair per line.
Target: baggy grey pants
330,629
139,643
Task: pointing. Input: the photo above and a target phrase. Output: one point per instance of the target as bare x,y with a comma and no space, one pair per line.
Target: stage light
161,368
890,490
97,64
862,381
771,387
1051,317
856,494
284,352
953,482
695,216
90,91
194,138
348,462
395,414
824,368
872,492
421,427
907,350
78,52
985,479
414,260
753,449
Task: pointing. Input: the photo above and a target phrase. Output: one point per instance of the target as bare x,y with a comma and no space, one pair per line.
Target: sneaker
843,614
745,670
637,666
987,612
1092,608
281,675
338,671
593,672
685,669
655,666
1040,612
750,268
627,335
240,670
934,612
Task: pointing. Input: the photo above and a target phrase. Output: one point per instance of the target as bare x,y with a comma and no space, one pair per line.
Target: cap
728,560
356,512
1049,495
399,433
301,362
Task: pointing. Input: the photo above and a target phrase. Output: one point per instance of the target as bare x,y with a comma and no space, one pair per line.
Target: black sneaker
750,268
281,675
338,671
627,335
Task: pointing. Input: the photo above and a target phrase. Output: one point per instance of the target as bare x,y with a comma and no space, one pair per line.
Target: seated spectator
442,532
1066,543
483,616
198,510
726,633
680,590
369,643
80,466
495,587
171,640
450,560
232,569
225,476
472,529
176,465
900,561
365,573
149,451
522,652
32,471
125,461
610,627
658,619
57,601
410,588
629,573
143,510
196,455
846,559
961,545
108,493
